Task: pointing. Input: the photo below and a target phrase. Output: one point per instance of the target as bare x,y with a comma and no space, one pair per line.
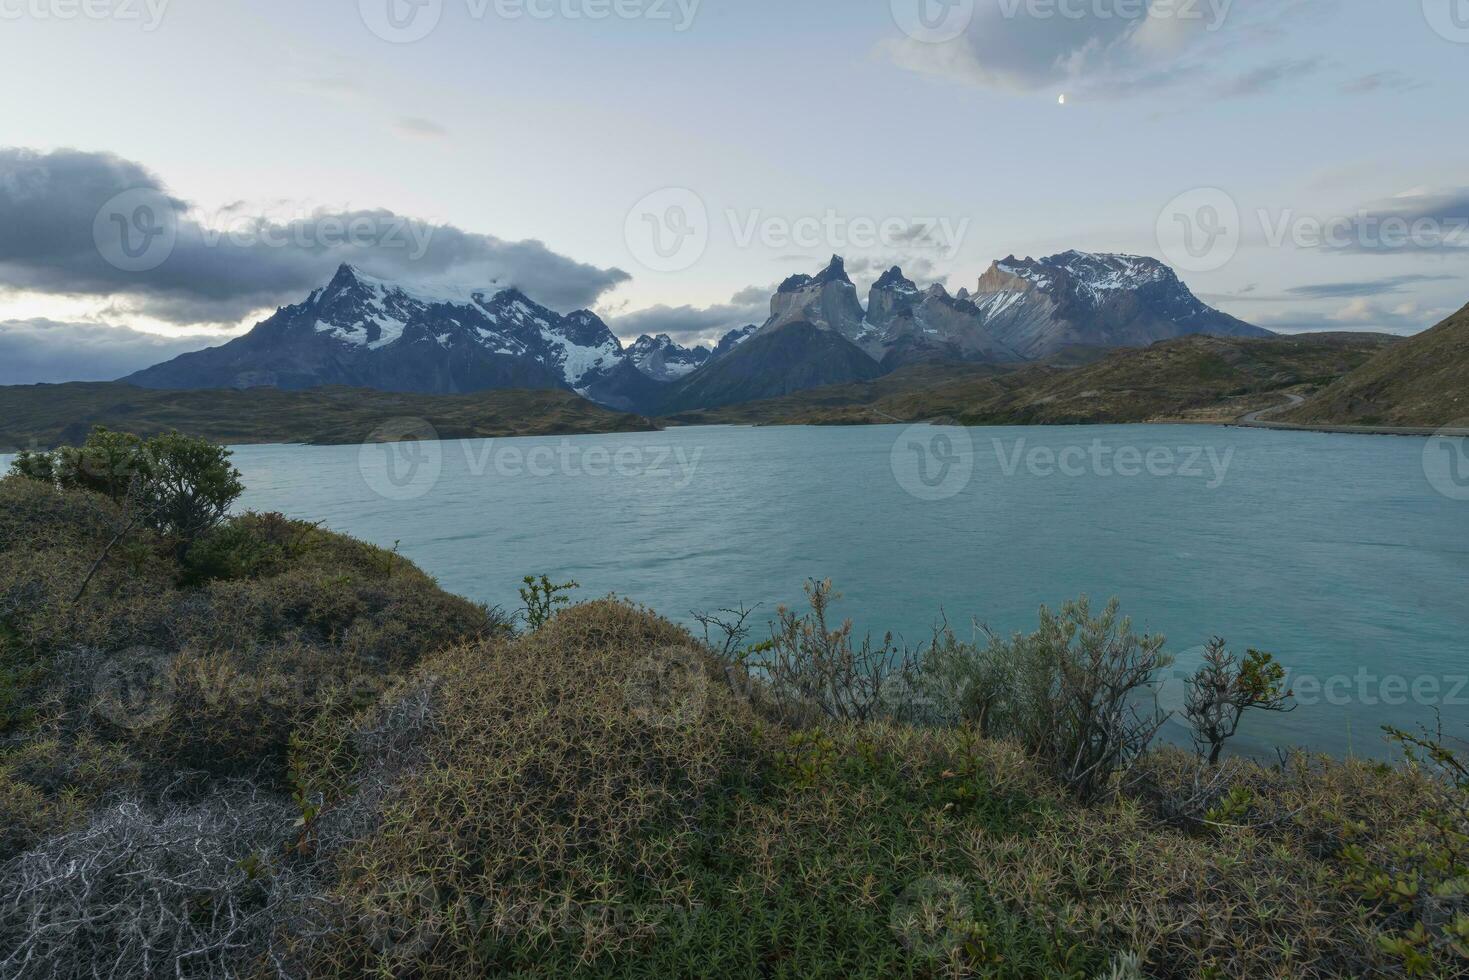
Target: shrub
525,778
187,889
178,485
810,671
1072,692
1222,691
1419,883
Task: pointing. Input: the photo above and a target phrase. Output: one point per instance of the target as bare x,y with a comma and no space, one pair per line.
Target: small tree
109,463
1222,691
189,485
178,485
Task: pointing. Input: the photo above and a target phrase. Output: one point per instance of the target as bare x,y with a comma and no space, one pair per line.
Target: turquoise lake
1341,554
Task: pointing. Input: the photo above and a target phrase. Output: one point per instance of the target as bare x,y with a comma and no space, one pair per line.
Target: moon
1062,99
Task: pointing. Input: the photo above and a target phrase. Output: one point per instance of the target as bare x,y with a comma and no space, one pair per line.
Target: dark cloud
1424,221
1115,51
1367,288
47,352
222,267
692,324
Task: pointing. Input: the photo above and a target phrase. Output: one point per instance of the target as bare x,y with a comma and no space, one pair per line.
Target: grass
1198,379
346,772
1422,382
44,416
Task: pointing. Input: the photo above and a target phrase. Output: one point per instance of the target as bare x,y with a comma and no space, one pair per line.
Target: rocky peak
894,279
732,340
663,359
827,301
835,272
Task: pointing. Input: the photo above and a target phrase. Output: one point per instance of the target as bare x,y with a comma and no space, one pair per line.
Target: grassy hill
44,416
1205,379
1423,381
278,752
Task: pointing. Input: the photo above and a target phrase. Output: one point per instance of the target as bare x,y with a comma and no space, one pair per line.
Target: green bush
175,484
1073,692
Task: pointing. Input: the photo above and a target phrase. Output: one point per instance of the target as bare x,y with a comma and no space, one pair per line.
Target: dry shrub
192,889
1254,889
317,623
548,774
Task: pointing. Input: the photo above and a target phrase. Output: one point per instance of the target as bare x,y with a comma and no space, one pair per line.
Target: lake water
1347,556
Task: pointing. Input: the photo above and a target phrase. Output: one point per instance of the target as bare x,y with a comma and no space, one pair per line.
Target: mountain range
366,332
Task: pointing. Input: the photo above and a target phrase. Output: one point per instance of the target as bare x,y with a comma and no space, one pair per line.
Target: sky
171,171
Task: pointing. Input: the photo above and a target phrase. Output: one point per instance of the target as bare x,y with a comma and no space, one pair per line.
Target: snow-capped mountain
732,340
363,331
819,334
910,325
663,360
1039,306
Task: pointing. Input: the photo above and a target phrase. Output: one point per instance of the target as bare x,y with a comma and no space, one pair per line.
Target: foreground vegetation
44,416
246,746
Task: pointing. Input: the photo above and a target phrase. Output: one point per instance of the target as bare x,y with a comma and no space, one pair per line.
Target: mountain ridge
359,330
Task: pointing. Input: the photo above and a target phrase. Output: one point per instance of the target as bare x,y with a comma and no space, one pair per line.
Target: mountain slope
1039,306
1424,381
366,332
791,358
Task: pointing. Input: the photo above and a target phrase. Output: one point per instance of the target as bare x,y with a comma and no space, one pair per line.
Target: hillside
48,415
271,751
1198,378
1423,381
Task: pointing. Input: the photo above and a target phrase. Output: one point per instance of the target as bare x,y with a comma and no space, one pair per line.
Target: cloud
419,127
1361,314
867,269
1421,220
1121,49
1382,81
61,223
693,324
47,352
1268,77
1366,288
